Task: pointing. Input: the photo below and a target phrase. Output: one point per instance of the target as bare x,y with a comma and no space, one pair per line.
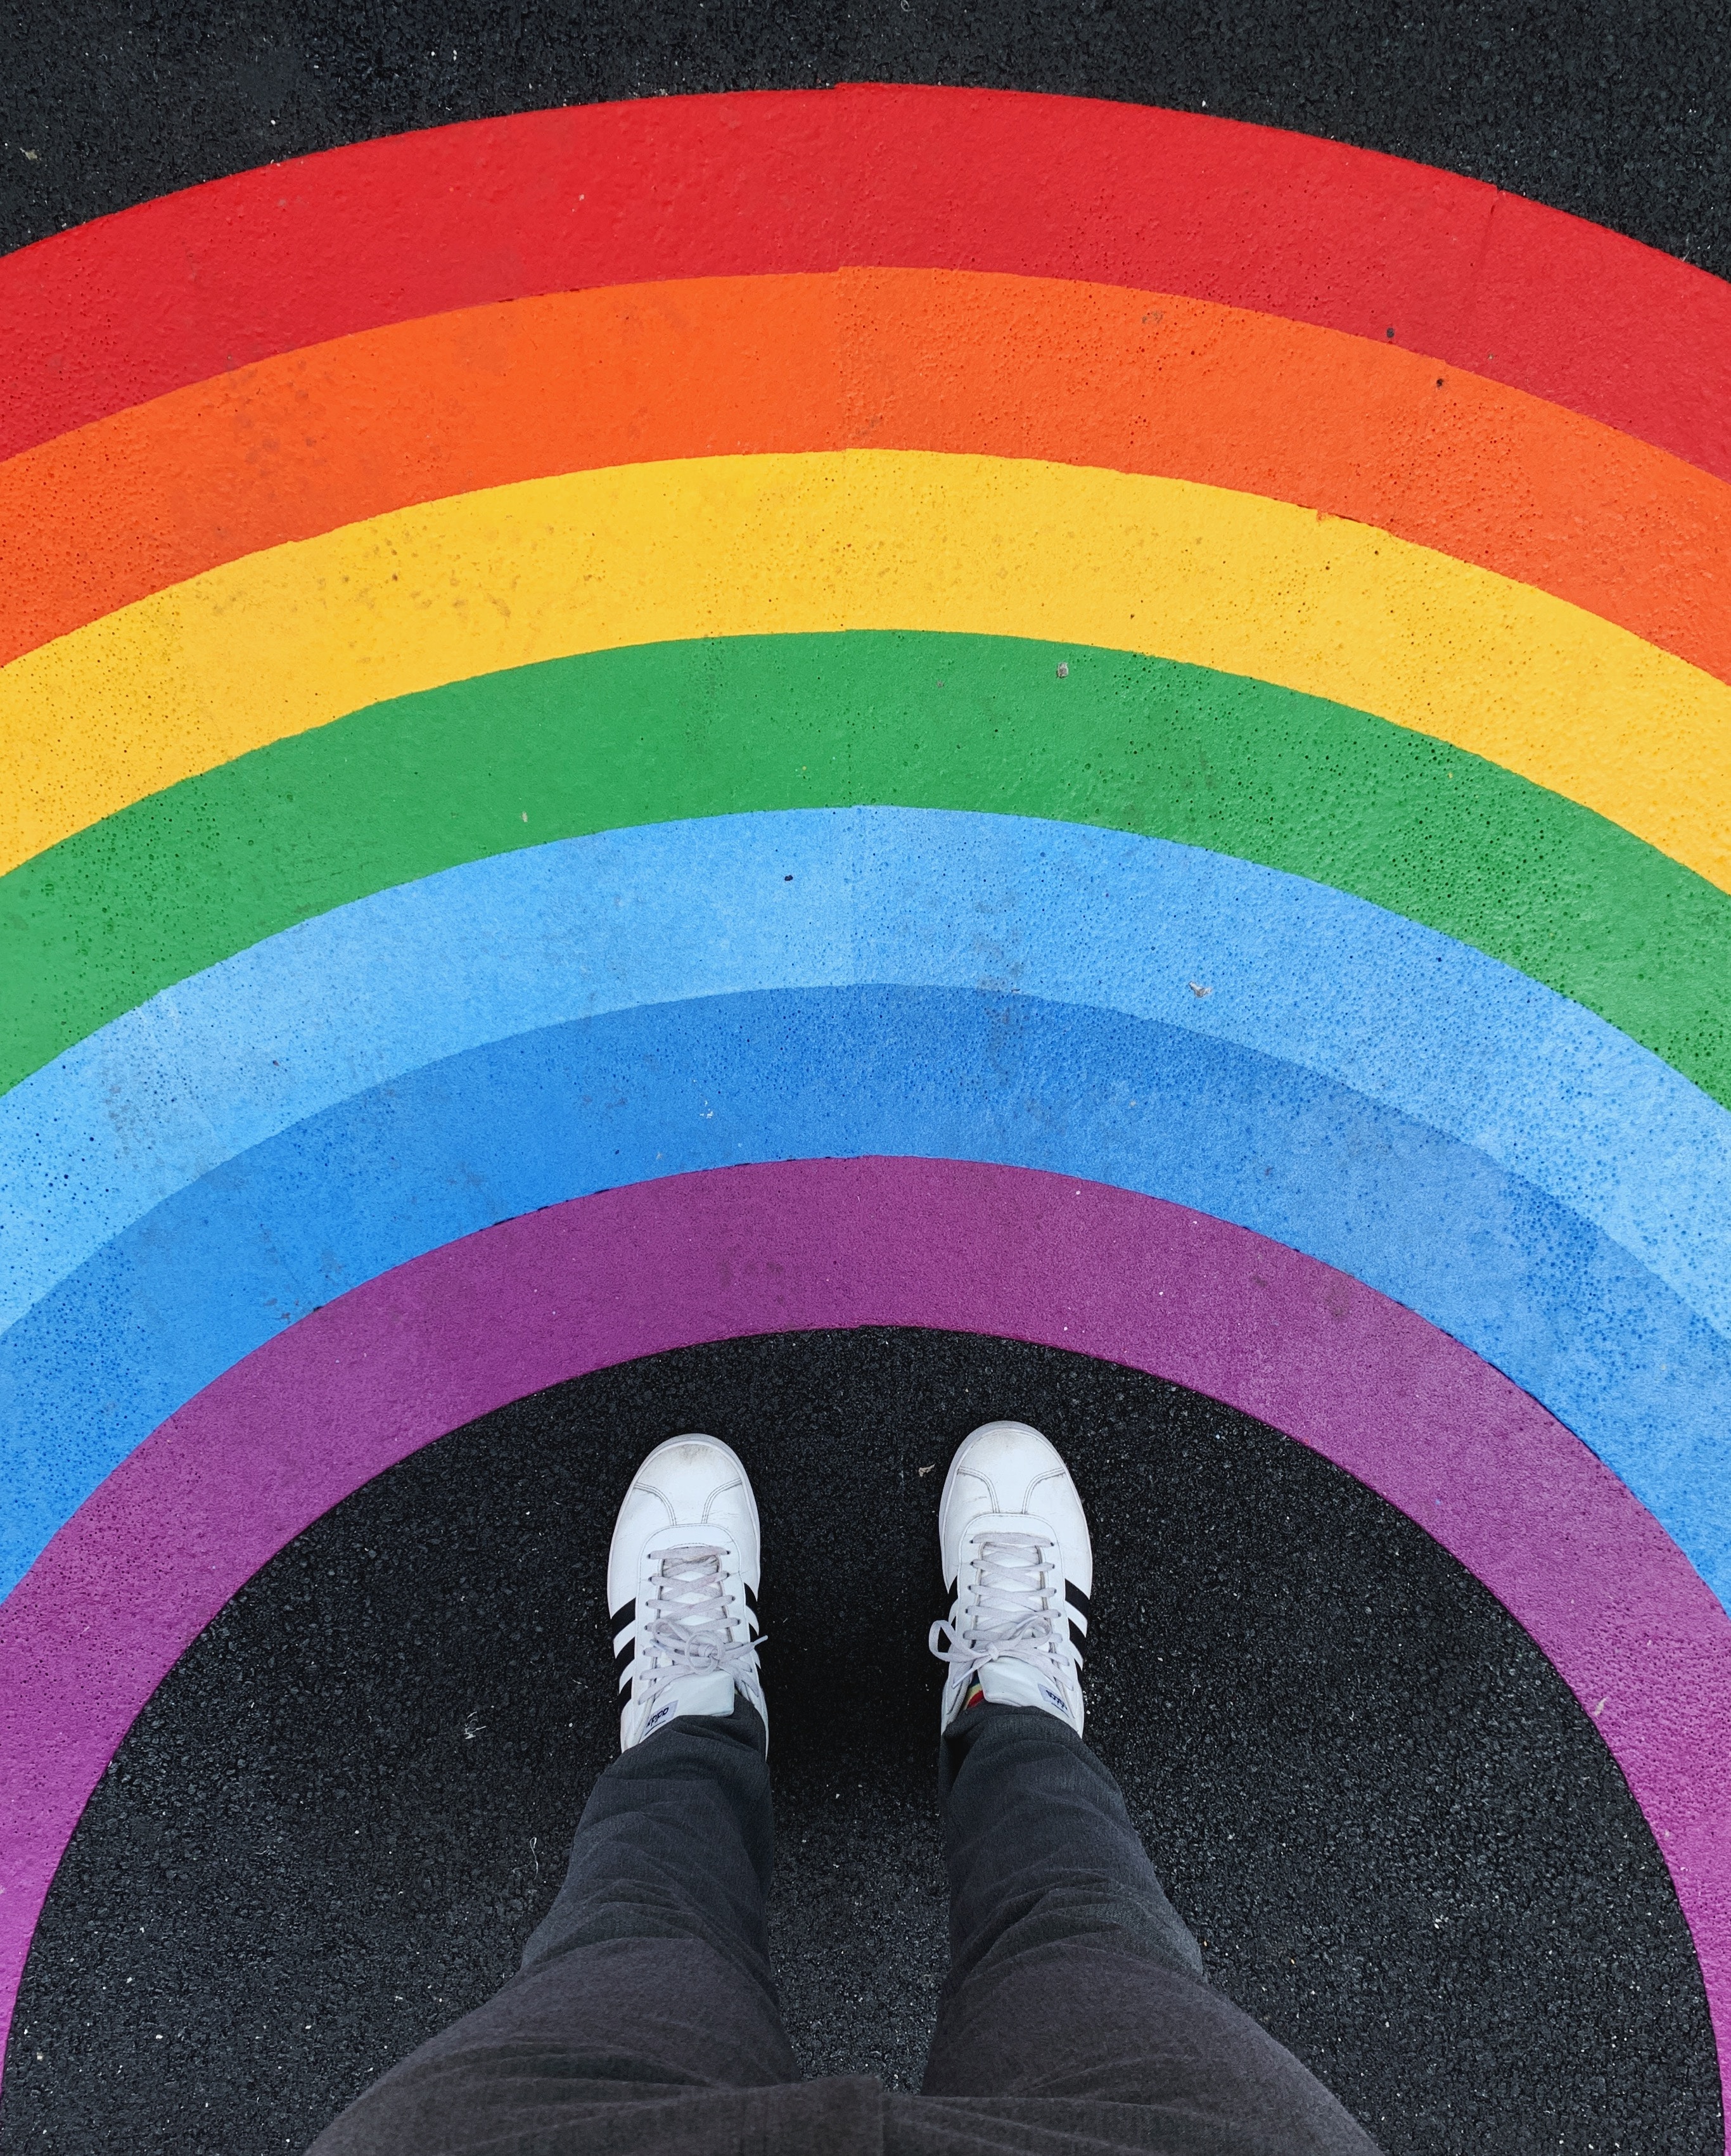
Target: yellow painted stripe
296,636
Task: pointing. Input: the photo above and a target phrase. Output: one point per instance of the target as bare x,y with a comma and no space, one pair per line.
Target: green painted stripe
405,788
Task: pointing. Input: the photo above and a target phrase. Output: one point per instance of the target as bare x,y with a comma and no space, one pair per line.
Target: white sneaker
1017,1558
682,1586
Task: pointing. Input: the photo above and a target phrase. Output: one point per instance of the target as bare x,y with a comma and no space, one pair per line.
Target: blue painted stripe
1411,1019
953,1073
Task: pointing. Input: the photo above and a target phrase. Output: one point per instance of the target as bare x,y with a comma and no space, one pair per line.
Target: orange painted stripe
1003,366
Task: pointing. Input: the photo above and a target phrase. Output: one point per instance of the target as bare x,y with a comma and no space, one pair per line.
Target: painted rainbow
639,724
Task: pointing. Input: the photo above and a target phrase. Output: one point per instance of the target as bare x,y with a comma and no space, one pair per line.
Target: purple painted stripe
153,1555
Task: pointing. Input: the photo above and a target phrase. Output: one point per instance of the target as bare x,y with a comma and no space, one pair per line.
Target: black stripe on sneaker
626,1614
623,1661
1078,1601
750,1599
1078,1640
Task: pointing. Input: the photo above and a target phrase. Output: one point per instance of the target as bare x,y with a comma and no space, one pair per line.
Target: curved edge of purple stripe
219,1489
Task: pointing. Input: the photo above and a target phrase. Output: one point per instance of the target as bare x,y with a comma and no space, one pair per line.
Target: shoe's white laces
1012,1605
684,1625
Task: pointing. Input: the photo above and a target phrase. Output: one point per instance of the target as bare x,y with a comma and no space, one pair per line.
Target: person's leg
649,1976
648,1982
1072,1977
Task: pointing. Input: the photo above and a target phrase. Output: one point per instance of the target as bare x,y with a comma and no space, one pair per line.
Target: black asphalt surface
1400,1839
1616,109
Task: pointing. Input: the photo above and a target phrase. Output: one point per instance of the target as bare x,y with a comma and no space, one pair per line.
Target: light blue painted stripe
1411,1019
947,1073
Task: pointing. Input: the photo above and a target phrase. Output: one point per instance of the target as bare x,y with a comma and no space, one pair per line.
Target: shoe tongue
1000,1525
710,1692
1009,1683
695,1536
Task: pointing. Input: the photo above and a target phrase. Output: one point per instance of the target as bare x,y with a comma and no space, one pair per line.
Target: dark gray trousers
1076,2016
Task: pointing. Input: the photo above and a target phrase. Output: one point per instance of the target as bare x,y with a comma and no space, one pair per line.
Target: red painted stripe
179,290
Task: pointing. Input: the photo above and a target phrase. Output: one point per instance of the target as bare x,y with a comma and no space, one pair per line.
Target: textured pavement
1397,1835
1618,113
1400,1839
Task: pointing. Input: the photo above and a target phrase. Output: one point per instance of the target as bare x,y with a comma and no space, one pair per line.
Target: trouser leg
1072,1975
649,1976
